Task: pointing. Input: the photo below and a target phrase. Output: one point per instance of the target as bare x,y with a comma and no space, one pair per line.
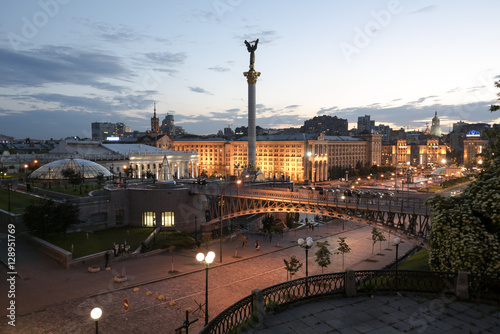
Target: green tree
70,174
495,107
375,234
292,267
380,238
268,222
323,255
466,229
46,216
343,249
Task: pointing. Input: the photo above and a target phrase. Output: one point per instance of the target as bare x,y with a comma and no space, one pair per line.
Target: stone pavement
50,299
384,315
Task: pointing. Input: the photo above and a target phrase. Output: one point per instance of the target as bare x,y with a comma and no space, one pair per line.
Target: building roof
54,169
132,148
342,138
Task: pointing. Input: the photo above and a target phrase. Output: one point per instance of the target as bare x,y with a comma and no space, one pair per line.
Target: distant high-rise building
330,126
364,123
102,130
436,127
155,122
168,126
458,126
383,130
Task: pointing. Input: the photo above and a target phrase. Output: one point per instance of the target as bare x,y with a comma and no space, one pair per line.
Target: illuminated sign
473,133
403,146
113,138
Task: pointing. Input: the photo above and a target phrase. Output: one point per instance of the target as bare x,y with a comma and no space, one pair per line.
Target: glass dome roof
53,170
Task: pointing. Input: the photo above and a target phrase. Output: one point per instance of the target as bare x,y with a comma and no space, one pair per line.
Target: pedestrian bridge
401,215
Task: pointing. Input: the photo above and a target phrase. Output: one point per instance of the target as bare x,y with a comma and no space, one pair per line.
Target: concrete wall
135,201
60,255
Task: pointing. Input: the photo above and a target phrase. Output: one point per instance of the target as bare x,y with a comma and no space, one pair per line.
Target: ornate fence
254,308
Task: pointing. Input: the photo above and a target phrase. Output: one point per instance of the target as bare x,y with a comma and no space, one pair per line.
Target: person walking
257,246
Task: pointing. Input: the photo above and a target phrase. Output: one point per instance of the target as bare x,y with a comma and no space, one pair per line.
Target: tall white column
252,126
252,76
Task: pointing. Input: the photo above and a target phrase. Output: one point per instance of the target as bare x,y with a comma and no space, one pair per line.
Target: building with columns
296,157
135,160
427,151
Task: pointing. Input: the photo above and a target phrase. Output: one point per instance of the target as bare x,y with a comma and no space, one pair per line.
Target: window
148,219
167,219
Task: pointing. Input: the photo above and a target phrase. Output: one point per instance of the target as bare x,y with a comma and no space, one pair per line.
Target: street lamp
238,188
8,194
397,241
206,260
96,315
306,244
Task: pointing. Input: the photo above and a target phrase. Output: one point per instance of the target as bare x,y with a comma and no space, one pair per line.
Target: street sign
125,304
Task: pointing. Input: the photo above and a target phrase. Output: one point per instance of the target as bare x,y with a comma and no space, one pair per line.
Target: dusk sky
66,63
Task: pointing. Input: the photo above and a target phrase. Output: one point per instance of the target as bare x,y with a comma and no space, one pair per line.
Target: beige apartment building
296,157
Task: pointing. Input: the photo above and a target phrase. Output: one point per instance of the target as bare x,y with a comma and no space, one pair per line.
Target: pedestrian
270,236
106,256
257,246
244,241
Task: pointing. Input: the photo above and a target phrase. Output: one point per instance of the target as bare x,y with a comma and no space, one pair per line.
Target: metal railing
244,313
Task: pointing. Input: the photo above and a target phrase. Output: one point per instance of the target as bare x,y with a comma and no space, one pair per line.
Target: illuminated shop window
148,219
167,219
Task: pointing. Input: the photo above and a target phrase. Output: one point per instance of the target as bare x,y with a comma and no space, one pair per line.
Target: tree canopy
466,229
46,216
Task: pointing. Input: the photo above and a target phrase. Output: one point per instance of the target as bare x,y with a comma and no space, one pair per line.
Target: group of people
244,242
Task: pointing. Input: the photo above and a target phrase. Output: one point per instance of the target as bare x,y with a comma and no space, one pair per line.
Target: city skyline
66,64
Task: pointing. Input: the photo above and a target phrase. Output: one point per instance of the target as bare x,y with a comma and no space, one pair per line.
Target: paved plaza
50,299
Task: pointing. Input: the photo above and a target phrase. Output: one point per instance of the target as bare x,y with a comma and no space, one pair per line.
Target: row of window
149,219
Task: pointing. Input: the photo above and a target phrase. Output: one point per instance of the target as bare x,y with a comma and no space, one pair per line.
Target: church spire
155,122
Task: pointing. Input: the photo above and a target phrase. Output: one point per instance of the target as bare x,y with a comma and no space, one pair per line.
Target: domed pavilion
54,170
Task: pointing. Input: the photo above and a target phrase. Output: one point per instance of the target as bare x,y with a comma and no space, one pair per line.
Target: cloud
219,69
166,58
423,99
292,106
53,64
199,90
264,36
426,9
324,111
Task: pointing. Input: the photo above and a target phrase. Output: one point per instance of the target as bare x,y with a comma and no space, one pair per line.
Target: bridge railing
409,205
252,309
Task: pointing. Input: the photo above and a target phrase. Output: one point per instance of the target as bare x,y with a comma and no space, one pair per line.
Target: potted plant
120,278
94,269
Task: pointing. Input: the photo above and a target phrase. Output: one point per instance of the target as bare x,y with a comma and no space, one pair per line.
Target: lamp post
96,315
206,260
238,188
397,241
8,193
306,244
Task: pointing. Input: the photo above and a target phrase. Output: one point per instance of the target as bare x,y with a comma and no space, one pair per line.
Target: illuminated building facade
474,145
425,152
296,157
